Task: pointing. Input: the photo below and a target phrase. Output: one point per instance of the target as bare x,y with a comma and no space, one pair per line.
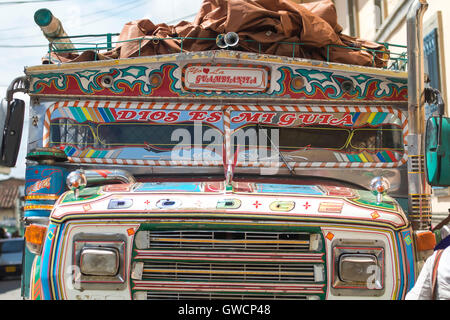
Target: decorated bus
225,173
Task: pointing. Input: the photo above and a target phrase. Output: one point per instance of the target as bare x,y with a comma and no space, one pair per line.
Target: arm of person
422,288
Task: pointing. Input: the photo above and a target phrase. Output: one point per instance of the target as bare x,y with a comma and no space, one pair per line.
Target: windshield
116,135
320,137
341,137
309,137
290,139
154,136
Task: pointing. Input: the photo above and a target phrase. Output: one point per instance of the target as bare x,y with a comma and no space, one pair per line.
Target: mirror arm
434,96
19,84
442,223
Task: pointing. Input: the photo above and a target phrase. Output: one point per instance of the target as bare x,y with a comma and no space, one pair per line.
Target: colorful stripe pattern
385,156
36,284
44,184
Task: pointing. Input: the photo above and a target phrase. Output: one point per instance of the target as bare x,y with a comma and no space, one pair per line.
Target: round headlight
76,180
379,186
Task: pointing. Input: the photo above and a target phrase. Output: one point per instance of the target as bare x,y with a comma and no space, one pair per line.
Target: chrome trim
420,213
379,185
35,220
95,176
358,177
111,241
231,39
341,247
237,241
80,178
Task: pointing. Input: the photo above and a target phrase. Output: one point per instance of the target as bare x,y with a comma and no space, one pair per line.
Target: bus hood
265,200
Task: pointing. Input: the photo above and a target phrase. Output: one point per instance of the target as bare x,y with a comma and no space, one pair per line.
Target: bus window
66,131
319,143
156,136
373,139
291,138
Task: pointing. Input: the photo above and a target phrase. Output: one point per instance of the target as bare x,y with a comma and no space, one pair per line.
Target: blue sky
17,27
23,44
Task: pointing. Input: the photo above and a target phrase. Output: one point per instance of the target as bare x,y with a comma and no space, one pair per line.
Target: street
10,288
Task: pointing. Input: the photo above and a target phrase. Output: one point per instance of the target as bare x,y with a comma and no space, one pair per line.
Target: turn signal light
35,236
425,240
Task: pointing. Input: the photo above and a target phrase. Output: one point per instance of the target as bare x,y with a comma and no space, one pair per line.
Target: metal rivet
107,81
347,85
155,80
297,83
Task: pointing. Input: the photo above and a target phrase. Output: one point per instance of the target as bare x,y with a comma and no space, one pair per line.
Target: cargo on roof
275,27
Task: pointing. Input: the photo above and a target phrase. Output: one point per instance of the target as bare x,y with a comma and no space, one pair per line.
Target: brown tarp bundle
266,26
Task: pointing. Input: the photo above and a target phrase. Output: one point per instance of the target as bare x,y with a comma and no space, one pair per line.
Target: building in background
11,205
385,21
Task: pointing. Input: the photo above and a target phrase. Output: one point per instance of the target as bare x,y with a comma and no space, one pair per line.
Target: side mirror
437,151
11,118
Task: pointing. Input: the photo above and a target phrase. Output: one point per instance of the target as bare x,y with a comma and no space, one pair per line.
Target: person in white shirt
433,282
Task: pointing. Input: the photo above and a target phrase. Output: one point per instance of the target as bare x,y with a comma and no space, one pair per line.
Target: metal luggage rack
397,53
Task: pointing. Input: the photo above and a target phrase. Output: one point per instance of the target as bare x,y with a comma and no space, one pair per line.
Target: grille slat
224,240
151,295
227,271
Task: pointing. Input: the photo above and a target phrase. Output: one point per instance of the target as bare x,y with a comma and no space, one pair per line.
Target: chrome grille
228,271
223,240
218,264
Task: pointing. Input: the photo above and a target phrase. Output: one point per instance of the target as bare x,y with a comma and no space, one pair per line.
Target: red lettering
247,116
198,79
198,115
346,120
172,116
158,115
325,118
126,114
287,119
268,117
307,118
143,115
214,117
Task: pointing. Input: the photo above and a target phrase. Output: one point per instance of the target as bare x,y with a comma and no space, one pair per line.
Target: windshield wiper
291,169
